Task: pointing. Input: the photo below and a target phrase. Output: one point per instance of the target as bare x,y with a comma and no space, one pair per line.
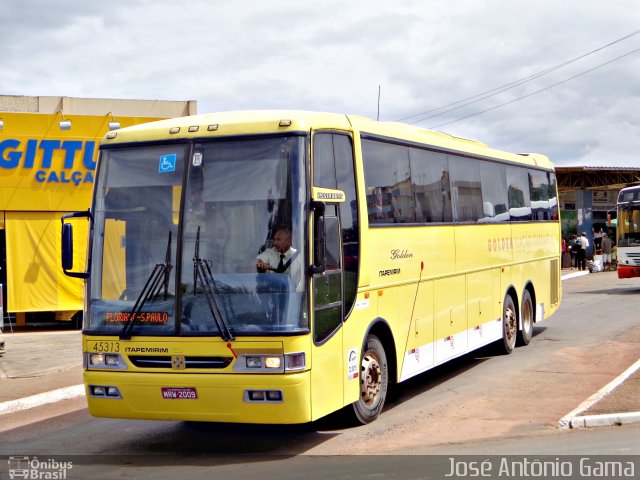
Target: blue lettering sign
48,147
88,161
12,156
9,159
71,147
41,176
30,154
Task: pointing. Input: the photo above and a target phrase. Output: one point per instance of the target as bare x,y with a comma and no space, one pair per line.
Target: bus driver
277,258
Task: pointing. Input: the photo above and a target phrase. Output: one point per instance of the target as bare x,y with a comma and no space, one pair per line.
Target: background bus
628,232
411,248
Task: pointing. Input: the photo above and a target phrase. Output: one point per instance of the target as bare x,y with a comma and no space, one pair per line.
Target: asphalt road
481,404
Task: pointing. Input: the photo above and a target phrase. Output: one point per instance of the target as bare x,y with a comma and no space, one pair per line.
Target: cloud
333,55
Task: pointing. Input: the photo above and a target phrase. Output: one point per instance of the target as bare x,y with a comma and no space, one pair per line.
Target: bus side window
324,169
518,194
553,197
431,187
539,194
466,190
493,179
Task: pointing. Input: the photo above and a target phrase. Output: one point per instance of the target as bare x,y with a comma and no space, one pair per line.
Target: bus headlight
253,362
104,360
272,362
264,361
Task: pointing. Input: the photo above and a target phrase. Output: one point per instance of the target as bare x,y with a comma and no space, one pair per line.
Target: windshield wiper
157,281
202,271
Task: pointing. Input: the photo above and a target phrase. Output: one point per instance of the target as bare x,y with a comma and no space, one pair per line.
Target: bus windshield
629,225
168,262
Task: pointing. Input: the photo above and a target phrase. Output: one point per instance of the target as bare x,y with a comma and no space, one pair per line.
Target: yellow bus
402,249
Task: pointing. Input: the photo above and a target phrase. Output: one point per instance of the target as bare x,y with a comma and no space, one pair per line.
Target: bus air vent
165,361
555,282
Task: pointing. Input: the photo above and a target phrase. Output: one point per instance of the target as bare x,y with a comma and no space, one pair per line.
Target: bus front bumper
626,271
235,398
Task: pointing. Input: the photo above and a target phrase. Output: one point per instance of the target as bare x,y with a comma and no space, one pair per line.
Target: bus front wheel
526,316
374,377
509,324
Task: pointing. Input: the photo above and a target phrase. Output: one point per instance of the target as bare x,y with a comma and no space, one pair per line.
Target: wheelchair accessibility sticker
167,163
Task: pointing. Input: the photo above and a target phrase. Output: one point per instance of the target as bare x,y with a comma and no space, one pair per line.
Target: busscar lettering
330,196
391,271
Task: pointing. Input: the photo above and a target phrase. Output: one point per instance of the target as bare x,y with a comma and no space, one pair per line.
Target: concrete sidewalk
616,403
40,367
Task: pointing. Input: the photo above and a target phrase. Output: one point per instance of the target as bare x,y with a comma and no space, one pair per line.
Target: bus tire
509,325
526,317
374,381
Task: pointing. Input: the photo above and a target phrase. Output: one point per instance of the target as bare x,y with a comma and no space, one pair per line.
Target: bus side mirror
67,247
319,239
67,243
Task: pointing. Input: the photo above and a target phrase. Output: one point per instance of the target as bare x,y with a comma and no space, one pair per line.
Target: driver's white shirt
272,257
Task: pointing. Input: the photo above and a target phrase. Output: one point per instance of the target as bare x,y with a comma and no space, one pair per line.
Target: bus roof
274,121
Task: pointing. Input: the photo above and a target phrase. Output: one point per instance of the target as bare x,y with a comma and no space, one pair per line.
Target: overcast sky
332,55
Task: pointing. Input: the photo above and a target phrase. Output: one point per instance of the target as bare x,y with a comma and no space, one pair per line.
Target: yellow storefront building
48,154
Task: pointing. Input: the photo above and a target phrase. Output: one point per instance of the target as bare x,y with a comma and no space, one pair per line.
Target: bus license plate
182,393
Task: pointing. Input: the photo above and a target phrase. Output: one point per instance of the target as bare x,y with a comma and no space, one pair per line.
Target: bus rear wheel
374,379
509,324
526,317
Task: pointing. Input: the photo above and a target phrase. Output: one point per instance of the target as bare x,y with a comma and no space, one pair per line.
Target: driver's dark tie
281,264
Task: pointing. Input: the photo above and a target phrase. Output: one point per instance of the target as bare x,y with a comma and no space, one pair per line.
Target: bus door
334,288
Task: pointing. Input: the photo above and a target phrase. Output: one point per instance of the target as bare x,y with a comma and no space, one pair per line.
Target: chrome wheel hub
370,378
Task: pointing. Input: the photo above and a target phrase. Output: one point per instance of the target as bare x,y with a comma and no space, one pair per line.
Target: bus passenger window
518,193
539,193
431,187
493,177
466,191
388,180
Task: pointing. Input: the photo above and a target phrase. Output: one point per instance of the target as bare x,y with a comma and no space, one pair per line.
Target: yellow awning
35,280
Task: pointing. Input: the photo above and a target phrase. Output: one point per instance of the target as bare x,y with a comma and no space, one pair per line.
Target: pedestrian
573,251
597,241
607,248
582,251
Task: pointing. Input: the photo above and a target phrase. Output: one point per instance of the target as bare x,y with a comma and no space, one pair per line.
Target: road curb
605,420
45,398
574,420
579,273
